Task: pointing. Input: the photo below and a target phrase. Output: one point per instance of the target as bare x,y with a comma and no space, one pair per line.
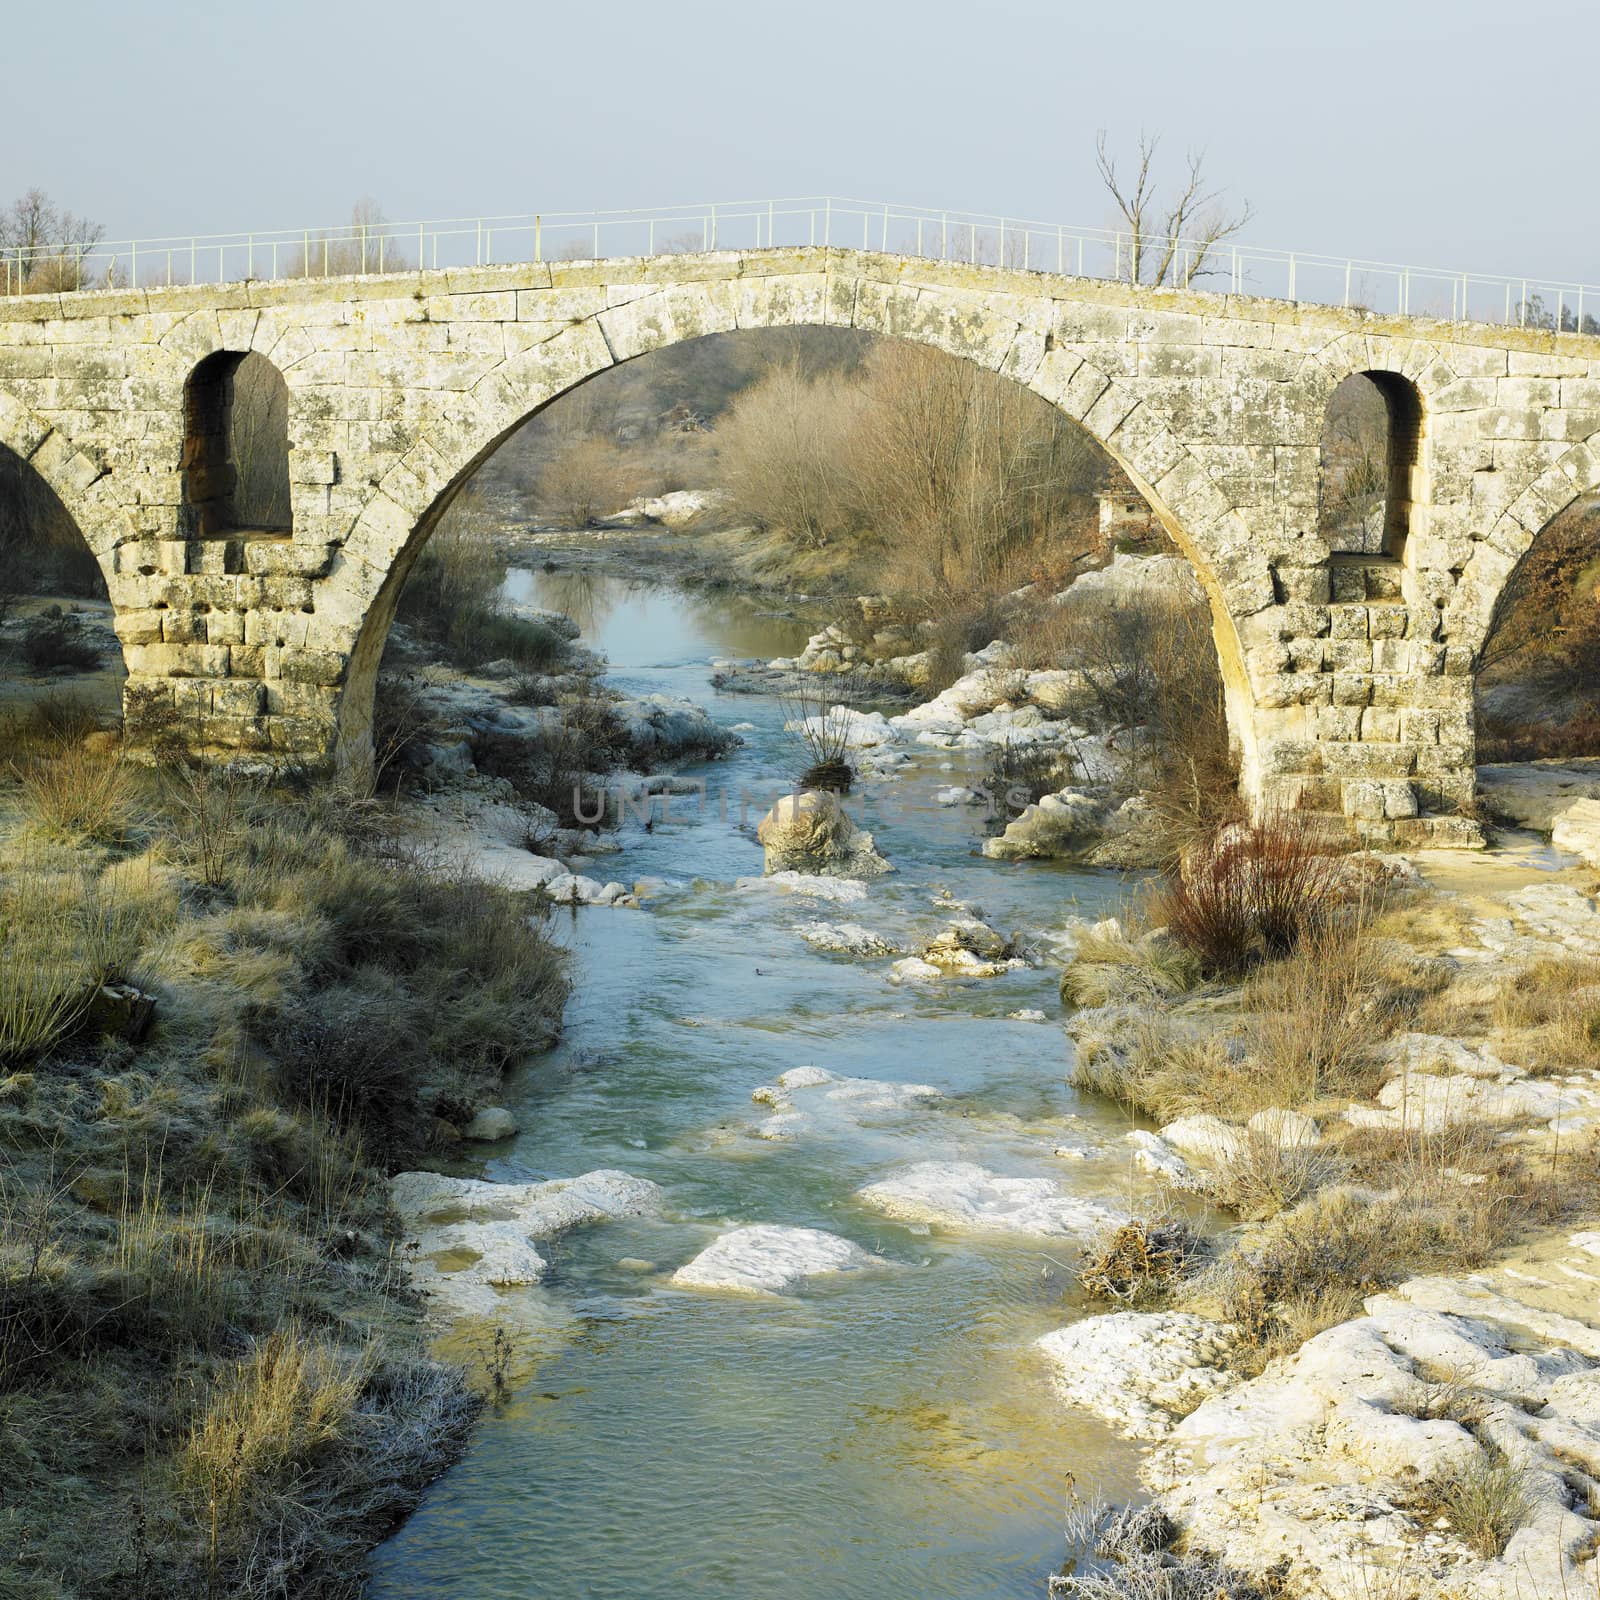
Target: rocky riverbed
790,1223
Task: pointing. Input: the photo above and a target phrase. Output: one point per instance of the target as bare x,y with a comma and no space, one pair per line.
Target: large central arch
365,580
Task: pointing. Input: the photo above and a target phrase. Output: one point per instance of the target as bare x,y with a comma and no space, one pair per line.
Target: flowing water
892,1433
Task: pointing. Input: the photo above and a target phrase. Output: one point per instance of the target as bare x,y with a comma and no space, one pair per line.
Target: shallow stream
891,1434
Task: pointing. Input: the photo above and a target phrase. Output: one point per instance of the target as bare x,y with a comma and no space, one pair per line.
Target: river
890,1434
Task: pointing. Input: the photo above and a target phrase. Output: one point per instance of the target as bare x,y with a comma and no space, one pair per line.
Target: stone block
313,667
183,627
1349,655
1419,727
1391,655
1363,798
224,627
1351,689
1337,722
1380,724
1348,622
288,557
1387,622
138,627
313,466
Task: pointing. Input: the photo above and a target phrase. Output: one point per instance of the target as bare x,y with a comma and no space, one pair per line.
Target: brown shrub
1250,893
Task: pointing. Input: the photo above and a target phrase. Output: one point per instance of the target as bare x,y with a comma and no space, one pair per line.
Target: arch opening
57,645
1536,688
1371,457
236,447
873,465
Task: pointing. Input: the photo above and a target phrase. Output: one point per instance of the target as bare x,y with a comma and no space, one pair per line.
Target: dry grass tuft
76,794
1485,1503
287,1402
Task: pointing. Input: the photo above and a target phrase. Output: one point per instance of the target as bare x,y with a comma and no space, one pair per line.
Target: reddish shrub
1250,893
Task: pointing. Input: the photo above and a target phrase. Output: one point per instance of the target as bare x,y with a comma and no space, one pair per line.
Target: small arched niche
1371,449
236,447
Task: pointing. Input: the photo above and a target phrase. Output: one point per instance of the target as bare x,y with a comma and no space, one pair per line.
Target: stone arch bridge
1349,678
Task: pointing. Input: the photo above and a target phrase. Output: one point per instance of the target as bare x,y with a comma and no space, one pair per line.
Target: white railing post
133,265
713,244
827,223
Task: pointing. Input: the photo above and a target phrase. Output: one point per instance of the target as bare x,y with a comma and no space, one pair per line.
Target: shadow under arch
405,533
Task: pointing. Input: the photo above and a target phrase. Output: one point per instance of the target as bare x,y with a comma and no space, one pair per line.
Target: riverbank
1383,1380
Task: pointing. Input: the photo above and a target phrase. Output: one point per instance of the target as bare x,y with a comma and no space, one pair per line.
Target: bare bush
585,478
1172,240
1484,1503
1251,892
782,455
1128,1554
366,244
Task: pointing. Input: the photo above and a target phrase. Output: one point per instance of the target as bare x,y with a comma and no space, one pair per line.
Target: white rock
1208,1137
805,1078
859,730
1131,577
848,938
474,1237
1139,1371
961,1194
913,969
772,1260
815,886
490,1124
543,1208
1027,1014
1156,1155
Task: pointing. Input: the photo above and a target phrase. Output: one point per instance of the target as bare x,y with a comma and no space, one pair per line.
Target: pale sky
1457,136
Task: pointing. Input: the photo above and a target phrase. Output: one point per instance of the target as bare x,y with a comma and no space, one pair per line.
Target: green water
891,1435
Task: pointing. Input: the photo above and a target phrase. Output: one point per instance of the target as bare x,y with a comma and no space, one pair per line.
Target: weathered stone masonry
1349,678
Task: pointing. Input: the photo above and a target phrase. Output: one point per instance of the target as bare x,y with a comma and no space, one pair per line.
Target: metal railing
919,231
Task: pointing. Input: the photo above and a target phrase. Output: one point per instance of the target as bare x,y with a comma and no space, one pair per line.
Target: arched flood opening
56,639
1371,460
236,447
937,506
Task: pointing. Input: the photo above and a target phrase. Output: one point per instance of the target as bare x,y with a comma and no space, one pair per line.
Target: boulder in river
768,1259
811,832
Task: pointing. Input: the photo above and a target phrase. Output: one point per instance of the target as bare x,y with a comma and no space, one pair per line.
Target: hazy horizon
1382,133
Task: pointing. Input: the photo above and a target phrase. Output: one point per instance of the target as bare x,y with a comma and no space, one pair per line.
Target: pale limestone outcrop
1318,1462
847,938
1140,1371
764,1259
967,947
964,1195
474,1238
1069,822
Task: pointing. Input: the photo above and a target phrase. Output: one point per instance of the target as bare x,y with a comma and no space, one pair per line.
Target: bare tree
1171,240
367,244
42,246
